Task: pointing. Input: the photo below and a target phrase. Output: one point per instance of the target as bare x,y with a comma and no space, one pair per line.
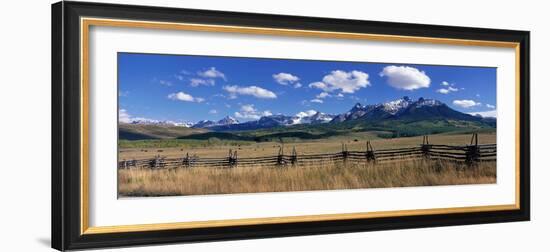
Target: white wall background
25,125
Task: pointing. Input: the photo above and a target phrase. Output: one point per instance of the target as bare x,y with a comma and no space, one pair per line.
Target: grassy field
327,176
321,176
217,148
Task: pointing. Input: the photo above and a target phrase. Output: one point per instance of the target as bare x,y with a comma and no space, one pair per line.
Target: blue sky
192,88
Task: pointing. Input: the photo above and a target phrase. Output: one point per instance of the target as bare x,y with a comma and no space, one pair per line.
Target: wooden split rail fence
469,154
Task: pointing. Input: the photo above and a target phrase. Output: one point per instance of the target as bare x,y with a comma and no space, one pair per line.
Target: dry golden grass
327,176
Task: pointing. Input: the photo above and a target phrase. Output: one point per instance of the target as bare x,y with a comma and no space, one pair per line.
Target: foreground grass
327,176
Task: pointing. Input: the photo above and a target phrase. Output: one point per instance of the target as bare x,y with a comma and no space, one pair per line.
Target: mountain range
228,120
403,109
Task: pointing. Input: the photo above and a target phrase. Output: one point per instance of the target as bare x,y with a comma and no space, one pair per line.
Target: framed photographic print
180,125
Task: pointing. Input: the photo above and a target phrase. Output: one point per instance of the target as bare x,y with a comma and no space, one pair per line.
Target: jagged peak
393,107
228,120
203,121
357,107
428,102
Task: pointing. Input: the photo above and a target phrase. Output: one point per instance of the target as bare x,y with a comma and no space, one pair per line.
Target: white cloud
317,100
466,103
181,96
212,111
298,85
248,111
195,82
347,82
490,106
255,91
340,95
212,73
123,93
490,113
442,91
319,85
248,108
285,78
181,75
165,83
306,113
123,116
322,95
405,77
447,90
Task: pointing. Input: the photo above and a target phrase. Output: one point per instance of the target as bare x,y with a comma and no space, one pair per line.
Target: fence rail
469,154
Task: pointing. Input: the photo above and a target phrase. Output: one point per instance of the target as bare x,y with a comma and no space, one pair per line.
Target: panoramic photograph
198,125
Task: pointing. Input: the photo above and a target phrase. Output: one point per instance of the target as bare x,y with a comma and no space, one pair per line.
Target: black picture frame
66,125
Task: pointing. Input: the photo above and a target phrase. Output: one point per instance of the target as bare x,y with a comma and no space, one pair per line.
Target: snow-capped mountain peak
311,117
145,121
204,124
357,107
320,117
303,117
427,102
393,107
227,120
184,124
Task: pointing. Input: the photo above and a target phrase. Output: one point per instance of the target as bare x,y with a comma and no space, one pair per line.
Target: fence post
425,147
345,152
157,162
185,161
232,159
472,151
370,153
133,163
294,156
280,160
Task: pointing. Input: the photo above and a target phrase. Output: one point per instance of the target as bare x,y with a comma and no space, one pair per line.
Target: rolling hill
154,131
